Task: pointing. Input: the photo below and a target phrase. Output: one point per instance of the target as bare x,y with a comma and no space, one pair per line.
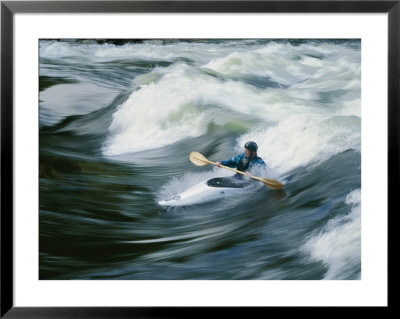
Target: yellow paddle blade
198,159
271,183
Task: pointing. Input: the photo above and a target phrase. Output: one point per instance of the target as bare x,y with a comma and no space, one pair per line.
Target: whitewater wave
56,49
146,50
180,105
300,140
300,103
302,66
338,244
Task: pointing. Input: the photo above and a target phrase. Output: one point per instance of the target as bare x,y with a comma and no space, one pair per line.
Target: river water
117,125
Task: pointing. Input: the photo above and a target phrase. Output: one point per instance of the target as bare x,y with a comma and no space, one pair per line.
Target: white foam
179,105
305,65
178,184
338,244
55,49
354,197
157,114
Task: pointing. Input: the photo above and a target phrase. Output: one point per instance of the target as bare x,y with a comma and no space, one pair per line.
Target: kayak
210,190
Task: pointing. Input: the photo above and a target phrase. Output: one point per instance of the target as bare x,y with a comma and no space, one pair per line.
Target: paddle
199,160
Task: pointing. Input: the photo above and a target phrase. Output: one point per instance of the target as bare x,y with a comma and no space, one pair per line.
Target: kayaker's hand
248,174
218,164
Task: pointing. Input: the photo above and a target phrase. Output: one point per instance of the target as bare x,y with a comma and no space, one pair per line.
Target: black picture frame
9,8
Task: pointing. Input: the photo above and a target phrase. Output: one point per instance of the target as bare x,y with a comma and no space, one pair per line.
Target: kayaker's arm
232,162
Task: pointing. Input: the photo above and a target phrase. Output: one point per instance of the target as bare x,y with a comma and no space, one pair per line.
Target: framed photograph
161,158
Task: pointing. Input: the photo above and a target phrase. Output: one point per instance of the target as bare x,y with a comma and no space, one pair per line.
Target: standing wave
338,244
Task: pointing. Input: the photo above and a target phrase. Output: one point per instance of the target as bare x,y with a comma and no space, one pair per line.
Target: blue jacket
256,163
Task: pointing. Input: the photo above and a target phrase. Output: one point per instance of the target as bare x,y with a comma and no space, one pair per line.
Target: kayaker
247,162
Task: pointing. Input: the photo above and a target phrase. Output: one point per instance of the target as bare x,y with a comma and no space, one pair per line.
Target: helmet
251,146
